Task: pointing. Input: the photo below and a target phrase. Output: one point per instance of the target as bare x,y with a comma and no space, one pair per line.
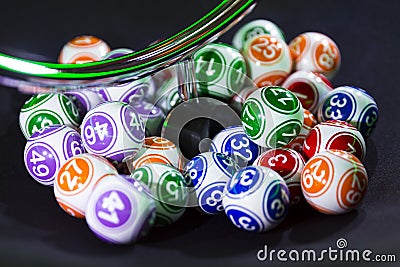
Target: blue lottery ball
234,143
256,199
353,105
207,175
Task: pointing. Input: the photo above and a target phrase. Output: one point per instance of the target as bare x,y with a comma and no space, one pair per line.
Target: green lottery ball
168,188
272,116
44,110
220,70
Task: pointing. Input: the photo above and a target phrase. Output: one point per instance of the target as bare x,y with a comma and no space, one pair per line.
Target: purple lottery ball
44,153
113,130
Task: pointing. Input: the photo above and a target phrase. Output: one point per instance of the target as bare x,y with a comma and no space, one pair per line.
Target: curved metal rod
22,73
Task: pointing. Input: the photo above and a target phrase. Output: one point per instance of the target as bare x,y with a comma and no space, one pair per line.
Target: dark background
34,231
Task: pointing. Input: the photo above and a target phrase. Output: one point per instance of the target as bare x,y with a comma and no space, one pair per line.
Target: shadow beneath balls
371,159
307,225
204,236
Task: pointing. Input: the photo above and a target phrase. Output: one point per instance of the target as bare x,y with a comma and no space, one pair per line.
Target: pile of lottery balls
301,140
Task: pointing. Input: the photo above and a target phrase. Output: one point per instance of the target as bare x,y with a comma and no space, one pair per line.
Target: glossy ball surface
234,142
255,28
272,116
83,49
48,149
167,187
157,150
288,164
334,182
256,199
334,135
118,211
309,87
353,105
76,179
316,52
113,130
220,70
309,122
207,174
44,110
269,60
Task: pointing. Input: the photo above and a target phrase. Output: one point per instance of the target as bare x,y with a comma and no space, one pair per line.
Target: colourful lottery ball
119,52
334,135
83,49
272,116
351,104
168,188
151,115
334,182
309,122
157,150
269,60
313,51
289,164
48,148
44,110
76,179
113,130
255,28
119,212
238,99
256,199
207,175
234,143
220,70
309,87
84,100
129,92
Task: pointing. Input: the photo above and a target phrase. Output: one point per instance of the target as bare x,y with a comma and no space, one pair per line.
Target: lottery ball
157,150
220,70
334,182
289,164
207,175
83,49
76,179
272,116
113,130
129,92
334,135
316,52
48,148
309,87
269,60
255,28
44,110
119,212
351,104
256,199
151,115
84,100
309,122
168,188
119,52
234,142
